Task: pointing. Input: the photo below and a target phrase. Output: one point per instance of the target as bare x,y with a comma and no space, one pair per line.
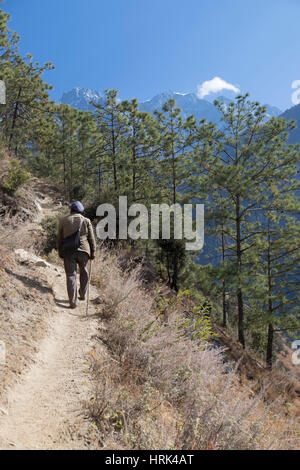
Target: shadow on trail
62,303
29,282
79,312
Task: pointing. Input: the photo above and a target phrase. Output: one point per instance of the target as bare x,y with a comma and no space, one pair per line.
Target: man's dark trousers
81,258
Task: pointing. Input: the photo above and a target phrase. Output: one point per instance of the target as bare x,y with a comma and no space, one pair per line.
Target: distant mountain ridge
293,114
80,98
189,103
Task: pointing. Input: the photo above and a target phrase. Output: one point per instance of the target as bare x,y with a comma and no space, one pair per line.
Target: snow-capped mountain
80,98
188,102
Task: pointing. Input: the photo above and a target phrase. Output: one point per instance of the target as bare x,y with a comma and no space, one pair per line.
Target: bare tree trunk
223,282
133,173
269,354
14,120
114,154
269,358
240,300
99,180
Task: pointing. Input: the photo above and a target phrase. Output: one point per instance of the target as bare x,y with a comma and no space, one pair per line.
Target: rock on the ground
38,206
3,411
30,258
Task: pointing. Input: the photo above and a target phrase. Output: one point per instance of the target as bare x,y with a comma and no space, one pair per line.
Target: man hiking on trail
76,245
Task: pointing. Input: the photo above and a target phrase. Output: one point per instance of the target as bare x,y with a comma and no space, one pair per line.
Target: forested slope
244,173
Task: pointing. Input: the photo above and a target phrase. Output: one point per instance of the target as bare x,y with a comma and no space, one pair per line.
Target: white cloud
296,94
214,86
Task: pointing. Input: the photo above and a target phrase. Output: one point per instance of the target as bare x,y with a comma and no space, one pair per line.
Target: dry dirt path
44,409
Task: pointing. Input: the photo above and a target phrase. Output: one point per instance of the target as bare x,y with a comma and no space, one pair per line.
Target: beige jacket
69,225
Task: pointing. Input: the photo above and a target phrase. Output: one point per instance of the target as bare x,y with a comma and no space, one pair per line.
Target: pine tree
67,147
87,137
111,124
42,155
277,262
26,99
173,142
8,40
248,155
141,144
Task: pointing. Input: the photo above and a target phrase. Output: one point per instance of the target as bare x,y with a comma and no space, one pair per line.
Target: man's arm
59,238
91,239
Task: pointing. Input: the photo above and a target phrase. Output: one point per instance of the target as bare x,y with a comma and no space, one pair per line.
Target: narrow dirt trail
44,409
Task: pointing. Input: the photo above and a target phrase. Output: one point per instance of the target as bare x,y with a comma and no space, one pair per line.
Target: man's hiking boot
81,297
73,305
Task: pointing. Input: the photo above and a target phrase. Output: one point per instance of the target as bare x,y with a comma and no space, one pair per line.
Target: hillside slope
125,377
43,410
45,380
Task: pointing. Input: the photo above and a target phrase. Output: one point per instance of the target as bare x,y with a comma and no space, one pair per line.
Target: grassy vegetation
16,177
162,387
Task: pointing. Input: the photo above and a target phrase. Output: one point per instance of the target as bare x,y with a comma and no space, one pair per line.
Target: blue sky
144,47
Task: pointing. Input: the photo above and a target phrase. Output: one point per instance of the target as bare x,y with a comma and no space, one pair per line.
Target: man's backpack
71,243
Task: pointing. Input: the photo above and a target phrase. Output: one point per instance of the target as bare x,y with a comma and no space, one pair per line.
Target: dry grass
156,367
24,303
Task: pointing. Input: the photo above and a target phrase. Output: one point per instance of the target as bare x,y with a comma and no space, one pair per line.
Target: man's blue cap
76,207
